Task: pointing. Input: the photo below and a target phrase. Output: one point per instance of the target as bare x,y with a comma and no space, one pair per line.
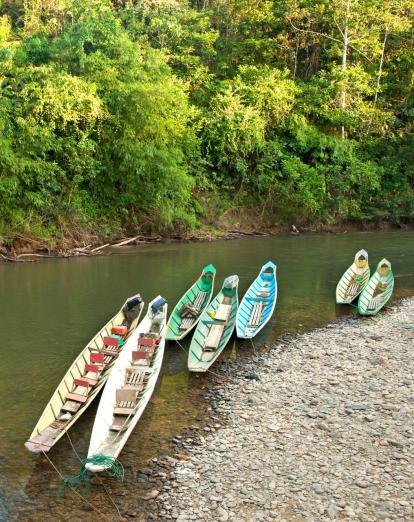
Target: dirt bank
24,248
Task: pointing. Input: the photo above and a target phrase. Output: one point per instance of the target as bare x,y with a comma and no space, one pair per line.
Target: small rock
252,376
181,456
222,514
362,483
152,494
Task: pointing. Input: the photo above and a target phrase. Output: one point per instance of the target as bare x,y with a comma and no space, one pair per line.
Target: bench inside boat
190,313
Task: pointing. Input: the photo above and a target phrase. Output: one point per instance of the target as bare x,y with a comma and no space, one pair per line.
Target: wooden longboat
215,327
258,304
129,387
191,306
378,291
85,378
354,280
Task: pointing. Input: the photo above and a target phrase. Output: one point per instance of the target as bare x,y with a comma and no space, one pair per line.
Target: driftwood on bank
12,257
91,250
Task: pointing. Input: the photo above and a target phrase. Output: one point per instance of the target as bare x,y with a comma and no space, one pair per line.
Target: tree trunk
296,58
344,62
380,67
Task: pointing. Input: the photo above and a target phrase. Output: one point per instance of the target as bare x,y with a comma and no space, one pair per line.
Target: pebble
332,405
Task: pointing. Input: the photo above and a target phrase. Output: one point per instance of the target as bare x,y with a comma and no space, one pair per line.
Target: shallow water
49,311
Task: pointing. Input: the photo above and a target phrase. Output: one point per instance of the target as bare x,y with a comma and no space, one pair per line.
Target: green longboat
191,306
215,327
378,290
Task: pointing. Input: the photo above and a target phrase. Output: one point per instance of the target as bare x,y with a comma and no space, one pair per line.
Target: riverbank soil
319,428
24,248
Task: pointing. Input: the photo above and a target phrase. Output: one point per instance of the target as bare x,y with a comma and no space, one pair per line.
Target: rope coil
112,466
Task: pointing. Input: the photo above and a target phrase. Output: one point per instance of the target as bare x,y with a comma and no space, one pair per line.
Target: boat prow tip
94,468
35,447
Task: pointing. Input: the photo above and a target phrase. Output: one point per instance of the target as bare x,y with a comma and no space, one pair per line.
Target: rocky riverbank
319,428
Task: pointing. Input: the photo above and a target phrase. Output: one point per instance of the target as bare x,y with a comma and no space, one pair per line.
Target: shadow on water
51,309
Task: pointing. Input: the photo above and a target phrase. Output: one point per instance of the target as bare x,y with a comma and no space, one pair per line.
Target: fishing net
113,468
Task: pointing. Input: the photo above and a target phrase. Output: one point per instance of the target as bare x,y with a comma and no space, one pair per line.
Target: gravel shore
318,428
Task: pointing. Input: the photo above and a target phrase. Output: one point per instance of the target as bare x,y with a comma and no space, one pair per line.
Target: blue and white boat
258,304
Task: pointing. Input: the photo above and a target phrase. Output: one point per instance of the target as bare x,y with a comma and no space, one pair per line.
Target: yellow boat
85,377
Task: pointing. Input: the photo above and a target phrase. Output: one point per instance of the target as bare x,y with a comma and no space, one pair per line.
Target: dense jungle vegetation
167,114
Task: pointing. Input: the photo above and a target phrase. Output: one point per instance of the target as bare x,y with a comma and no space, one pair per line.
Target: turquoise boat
258,304
190,307
378,290
215,327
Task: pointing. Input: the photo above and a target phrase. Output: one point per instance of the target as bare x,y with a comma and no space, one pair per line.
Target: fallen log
126,241
100,248
35,255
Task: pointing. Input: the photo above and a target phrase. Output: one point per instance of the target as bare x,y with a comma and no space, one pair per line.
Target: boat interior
136,376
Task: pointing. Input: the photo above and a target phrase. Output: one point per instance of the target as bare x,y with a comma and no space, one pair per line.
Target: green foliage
151,113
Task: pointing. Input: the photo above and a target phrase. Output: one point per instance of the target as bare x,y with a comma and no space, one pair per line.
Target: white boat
129,387
354,280
85,378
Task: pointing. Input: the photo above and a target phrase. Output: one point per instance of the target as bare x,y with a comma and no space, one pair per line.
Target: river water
49,311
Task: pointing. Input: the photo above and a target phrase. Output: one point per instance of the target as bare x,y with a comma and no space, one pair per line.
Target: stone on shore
319,429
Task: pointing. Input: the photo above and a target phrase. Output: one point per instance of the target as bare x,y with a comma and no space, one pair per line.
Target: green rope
113,467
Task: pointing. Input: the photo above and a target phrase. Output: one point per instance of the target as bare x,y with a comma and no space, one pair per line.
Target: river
49,311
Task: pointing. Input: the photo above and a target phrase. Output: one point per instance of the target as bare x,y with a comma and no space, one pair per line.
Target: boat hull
378,291
49,429
205,283
262,290
103,440
199,359
354,280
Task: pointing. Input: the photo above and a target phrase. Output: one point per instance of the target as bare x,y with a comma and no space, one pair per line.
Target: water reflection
51,309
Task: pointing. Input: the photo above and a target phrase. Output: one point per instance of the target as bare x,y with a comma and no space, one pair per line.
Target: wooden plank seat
98,359
186,322
213,338
112,345
141,358
121,330
256,315
134,378
199,300
112,340
119,423
146,349
126,400
110,350
223,312
151,342
374,303
78,395
352,289
92,373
